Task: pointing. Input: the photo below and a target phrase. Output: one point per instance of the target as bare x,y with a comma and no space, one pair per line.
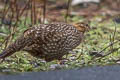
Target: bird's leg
65,59
3,59
62,60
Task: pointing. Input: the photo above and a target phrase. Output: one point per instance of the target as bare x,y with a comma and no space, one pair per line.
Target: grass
95,40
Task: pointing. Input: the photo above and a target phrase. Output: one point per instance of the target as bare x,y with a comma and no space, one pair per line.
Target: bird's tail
19,44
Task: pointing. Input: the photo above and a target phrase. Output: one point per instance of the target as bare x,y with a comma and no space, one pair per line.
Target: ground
103,32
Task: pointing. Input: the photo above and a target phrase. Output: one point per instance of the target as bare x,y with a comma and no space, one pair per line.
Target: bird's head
82,27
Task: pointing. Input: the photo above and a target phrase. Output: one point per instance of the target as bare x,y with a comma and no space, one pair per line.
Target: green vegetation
102,34
95,40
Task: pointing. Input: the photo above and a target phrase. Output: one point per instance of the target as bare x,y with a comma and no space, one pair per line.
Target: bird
48,41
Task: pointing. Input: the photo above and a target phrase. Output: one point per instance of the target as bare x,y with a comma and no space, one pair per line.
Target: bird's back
49,41
55,40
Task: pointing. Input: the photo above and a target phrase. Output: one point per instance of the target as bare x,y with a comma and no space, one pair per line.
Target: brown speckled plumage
48,41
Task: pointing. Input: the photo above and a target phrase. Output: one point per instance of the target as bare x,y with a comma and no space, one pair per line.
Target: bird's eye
86,24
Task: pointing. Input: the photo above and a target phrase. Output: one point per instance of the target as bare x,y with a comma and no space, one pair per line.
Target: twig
115,30
112,42
108,46
33,12
26,15
44,11
115,49
113,37
22,11
5,10
80,54
68,10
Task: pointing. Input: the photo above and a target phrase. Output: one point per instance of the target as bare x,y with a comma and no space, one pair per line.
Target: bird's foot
1,61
